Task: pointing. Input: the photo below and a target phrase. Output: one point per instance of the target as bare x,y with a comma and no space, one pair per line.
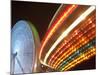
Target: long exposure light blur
65,33
65,14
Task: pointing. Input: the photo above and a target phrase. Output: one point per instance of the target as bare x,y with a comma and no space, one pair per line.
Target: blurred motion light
66,32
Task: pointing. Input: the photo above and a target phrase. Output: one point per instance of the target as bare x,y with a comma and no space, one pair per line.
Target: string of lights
68,41
80,59
66,32
63,16
81,50
78,43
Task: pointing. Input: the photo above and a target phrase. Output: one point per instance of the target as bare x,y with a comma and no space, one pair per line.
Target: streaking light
65,33
65,14
78,60
59,51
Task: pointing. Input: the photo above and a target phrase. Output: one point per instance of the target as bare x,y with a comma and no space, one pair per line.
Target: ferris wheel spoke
20,64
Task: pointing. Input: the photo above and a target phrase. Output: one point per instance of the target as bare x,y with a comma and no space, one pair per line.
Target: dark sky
40,14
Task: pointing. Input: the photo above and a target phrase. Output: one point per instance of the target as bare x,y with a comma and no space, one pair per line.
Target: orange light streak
80,59
73,46
62,45
56,25
70,51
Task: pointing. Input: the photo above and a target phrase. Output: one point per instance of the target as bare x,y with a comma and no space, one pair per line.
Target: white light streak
66,32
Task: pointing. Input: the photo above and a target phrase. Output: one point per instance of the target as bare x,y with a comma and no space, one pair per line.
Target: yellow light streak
70,50
66,14
65,33
66,41
80,59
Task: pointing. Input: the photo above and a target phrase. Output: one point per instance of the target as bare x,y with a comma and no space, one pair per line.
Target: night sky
40,14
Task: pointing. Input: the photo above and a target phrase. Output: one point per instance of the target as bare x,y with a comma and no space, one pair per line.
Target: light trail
65,14
83,57
65,33
69,52
91,34
79,51
57,54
